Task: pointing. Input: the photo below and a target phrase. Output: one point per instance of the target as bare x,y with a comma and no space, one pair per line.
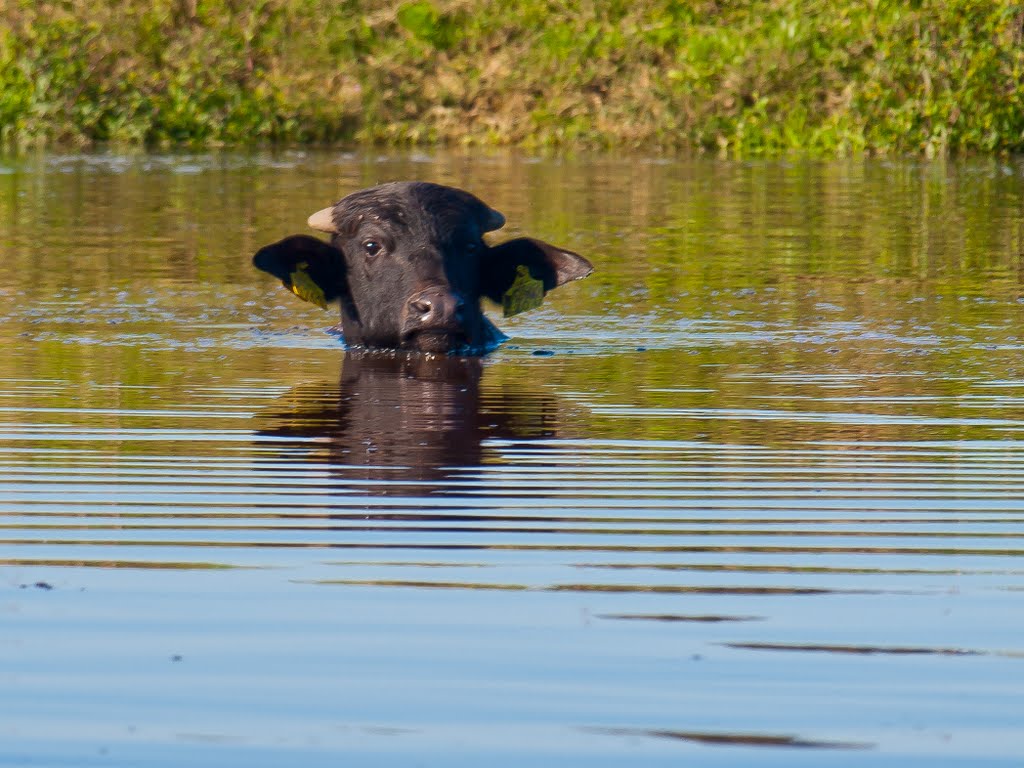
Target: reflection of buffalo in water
410,418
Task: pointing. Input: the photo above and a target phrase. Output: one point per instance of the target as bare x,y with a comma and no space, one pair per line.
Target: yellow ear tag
526,292
302,285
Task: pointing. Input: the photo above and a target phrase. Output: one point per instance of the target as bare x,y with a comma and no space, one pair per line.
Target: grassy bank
759,77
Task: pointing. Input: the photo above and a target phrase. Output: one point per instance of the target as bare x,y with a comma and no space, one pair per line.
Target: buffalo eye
472,248
372,247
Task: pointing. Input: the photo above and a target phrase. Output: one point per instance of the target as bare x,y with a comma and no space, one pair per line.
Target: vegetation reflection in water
761,491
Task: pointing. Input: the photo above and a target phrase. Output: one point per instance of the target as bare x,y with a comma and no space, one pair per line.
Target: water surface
752,493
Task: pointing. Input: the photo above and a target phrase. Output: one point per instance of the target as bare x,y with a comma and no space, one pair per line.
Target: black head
409,265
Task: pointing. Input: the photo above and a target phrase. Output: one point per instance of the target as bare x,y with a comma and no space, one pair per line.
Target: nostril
421,306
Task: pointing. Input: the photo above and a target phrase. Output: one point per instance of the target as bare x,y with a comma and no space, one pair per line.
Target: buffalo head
408,264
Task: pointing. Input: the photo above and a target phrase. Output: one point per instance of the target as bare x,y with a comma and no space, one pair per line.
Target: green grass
754,78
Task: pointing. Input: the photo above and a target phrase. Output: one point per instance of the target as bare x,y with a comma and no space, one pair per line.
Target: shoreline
765,79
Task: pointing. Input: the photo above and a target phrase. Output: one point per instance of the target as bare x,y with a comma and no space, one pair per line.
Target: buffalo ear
518,273
310,268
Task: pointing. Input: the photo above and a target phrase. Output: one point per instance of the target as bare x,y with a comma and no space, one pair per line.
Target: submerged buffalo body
409,266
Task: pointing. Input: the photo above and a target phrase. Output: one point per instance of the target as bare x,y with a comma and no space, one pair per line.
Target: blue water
751,494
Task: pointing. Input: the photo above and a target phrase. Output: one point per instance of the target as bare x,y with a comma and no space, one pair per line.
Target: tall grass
745,78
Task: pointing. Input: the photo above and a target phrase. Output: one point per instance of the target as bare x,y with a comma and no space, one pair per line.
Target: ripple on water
761,502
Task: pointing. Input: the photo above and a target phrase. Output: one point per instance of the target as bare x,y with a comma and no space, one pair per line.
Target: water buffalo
408,264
